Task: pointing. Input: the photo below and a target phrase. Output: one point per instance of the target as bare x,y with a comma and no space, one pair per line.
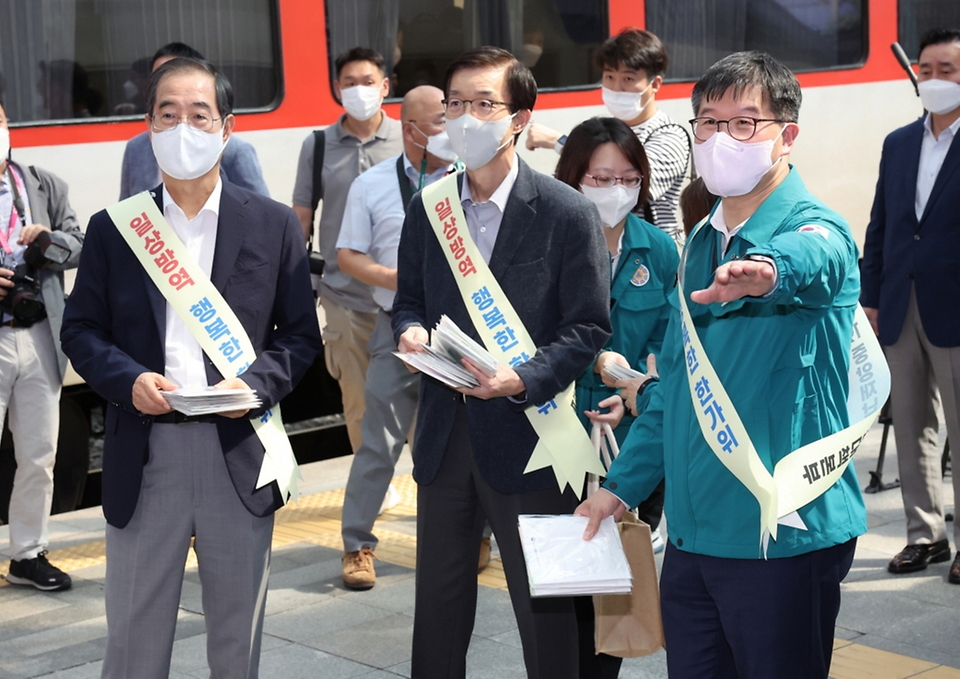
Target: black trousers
750,618
451,511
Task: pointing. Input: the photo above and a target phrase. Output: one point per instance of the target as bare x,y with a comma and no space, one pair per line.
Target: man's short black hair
742,70
938,36
186,65
176,49
634,49
521,85
360,54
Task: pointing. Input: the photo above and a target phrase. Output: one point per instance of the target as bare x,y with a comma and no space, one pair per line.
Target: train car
73,76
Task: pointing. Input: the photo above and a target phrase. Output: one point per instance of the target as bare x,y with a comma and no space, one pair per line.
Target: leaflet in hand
207,400
441,358
621,372
561,563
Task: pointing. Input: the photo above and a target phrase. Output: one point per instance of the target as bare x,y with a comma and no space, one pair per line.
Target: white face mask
730,167
361,101
613,202
438,145
625,105
4,143
185,152
477,141
939,96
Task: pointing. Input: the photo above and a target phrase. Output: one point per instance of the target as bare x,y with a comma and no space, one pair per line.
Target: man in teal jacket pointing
771,284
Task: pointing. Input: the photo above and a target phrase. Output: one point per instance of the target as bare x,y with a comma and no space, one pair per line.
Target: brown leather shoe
916,557
484,560
954,576
358,572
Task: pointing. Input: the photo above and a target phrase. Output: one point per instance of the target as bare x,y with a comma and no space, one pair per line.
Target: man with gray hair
768,288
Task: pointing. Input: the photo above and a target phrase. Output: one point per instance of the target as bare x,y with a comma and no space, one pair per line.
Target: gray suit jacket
47,194
551,261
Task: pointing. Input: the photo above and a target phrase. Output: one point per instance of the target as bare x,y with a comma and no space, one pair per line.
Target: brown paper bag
629,625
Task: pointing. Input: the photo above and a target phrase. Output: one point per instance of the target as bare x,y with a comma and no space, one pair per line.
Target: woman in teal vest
603,159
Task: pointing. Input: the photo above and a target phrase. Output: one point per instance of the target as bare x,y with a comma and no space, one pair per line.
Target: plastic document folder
561,563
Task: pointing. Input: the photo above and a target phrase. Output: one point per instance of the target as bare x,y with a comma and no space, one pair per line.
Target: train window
916,17
81,59
419,38
806,35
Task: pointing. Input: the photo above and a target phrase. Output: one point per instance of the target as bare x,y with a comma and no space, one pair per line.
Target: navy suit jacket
551,261
900,249
113,330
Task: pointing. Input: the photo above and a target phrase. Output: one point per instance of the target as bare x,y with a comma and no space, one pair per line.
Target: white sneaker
657,542
390,500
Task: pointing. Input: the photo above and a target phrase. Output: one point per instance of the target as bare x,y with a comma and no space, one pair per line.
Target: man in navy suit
543,243
911,294
168,478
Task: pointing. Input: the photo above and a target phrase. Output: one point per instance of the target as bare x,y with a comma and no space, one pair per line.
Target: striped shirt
668,150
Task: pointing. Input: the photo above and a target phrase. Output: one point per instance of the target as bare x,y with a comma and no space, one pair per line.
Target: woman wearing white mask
605,161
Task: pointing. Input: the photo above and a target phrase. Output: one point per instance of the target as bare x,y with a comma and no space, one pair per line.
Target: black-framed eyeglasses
482,108
605,182
168,121
741,128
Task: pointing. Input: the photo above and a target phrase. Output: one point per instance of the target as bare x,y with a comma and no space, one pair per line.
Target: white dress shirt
933,151
184,358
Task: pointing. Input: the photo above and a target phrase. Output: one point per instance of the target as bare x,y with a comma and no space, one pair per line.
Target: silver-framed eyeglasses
741,128
482,108
605,182
168,121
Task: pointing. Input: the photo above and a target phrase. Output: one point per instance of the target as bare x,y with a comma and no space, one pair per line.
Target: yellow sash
808,472
564,444
201,307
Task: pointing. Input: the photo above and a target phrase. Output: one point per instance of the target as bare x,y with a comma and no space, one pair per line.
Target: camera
22,301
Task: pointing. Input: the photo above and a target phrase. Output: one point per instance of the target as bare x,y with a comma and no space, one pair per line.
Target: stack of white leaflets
207,400
561,563
441,358
621,372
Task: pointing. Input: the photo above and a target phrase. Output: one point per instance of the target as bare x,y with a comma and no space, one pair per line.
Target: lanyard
406,191
16,209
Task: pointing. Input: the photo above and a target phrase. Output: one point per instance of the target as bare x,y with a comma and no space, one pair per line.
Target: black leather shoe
916,557
954,576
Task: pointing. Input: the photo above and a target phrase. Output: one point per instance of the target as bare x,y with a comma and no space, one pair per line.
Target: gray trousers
391,396
30,394
917,370
186,491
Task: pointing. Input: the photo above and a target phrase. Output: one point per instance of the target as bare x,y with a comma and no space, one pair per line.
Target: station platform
889,627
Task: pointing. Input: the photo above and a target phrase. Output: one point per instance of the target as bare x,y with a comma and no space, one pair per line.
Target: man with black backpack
330,160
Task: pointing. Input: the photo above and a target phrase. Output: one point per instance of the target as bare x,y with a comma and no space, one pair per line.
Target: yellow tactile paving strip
315,519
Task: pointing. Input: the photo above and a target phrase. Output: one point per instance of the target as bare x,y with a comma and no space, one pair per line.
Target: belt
176,417
10,323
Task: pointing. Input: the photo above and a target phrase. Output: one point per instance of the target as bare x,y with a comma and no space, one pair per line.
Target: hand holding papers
621,372
207,400
561,563
441,358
